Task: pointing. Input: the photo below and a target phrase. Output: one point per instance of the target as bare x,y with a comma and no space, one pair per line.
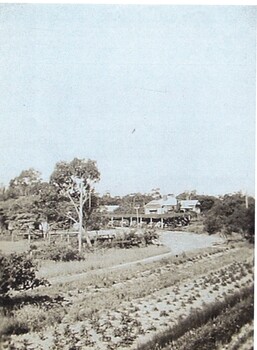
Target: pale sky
159,96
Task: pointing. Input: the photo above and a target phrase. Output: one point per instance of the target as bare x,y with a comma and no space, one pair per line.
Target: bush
10,325
18,272
38,317
212,224
230,213
58,252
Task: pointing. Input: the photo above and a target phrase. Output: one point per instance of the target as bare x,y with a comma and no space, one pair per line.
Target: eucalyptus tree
75,181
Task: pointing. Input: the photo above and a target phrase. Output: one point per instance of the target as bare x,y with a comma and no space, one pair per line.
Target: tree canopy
232,214
25,184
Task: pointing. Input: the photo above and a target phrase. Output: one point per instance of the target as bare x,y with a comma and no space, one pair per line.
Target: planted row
199,318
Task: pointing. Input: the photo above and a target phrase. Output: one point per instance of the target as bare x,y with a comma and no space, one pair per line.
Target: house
161,206
190,205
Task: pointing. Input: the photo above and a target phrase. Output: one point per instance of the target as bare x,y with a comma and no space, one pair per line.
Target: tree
213,224
74,181
51,206
20,212
187,195
231,214
155,193
129,202
24,184
207,202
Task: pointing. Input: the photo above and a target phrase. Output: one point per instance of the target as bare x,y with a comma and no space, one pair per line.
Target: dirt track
180,242
177,242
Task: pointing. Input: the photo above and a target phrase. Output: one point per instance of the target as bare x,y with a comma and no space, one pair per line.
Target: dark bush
212,224
231,214
58,252
18,272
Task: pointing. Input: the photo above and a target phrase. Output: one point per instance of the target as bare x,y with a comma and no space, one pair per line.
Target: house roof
189,203
162,202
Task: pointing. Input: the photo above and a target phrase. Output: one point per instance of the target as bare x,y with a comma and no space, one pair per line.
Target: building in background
190,205
164,205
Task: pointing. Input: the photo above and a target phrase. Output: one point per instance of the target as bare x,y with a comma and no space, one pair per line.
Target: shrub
212,224
18,272
58,252
10,325
38,317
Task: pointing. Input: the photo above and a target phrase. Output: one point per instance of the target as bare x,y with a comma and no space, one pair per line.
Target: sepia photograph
127,176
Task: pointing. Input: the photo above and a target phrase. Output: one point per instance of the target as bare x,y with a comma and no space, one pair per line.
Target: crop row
133,320
206,329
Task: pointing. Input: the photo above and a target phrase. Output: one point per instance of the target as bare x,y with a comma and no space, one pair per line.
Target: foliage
74,180
51,206
28,200
95,221
65,175
230,214
27,183
10,325
18,272
20,212
107,199
187,195
213,224
28,314
207,202
129,202
58,252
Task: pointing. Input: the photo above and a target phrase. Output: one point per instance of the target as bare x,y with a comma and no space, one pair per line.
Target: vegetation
206,328
122,304
231,214
58,252
69,199
74,181
107,298
18,272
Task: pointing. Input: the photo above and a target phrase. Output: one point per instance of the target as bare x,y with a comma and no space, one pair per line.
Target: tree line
69,198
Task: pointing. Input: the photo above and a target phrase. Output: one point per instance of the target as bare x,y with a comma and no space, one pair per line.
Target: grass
14,247
99,259
142,285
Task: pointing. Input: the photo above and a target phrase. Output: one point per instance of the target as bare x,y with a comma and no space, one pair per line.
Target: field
165,296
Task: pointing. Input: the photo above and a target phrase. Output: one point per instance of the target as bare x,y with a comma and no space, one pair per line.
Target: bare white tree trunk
80,219
81,230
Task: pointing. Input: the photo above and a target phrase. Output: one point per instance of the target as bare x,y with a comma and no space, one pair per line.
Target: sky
159,96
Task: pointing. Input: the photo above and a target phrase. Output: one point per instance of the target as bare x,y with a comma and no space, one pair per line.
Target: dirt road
178,242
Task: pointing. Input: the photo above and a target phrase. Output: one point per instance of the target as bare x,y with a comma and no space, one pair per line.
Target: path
178,242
